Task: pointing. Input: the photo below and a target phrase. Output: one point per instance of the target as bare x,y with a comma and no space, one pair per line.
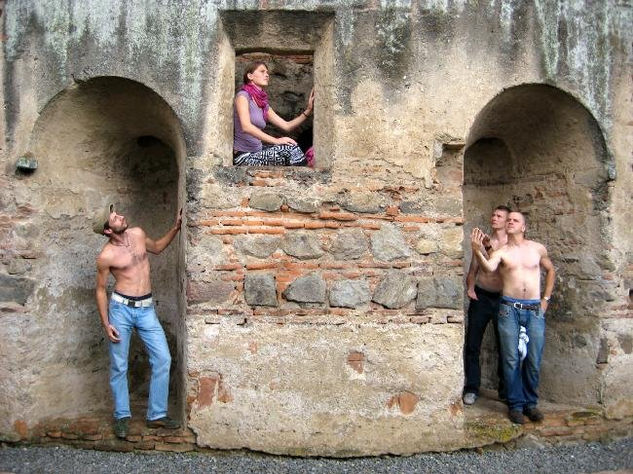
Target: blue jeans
521,379
480,312
124,319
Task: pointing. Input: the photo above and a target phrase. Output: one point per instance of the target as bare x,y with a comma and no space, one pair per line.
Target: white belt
132,303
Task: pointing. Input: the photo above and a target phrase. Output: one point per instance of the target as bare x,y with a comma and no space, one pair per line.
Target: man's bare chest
128,257
522,259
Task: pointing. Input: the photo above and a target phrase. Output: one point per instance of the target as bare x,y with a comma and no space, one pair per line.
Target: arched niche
108,139
538,150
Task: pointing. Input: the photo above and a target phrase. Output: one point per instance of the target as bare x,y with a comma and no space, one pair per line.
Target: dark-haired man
131,307
484,291
520,262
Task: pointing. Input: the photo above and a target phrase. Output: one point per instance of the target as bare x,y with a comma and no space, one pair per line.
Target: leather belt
517,305
132,303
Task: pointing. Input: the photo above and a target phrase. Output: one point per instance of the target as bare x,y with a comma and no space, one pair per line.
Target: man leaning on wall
131,307
520,262
484,292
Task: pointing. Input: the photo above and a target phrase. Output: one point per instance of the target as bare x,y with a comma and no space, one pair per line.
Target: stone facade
312,311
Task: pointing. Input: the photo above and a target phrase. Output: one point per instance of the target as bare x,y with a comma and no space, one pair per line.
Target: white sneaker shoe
469,398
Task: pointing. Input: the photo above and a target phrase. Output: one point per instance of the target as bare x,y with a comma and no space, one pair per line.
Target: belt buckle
131,303
517,305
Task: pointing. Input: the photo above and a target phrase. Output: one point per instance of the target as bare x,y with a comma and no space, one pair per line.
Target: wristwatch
547,298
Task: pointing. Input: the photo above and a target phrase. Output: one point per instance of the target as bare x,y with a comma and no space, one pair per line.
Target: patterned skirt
277,155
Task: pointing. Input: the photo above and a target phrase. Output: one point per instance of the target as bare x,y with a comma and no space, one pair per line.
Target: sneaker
516,416
164,422
469,398
121,427
533,413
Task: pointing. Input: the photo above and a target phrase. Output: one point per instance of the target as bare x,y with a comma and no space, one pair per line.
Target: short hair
250,69
501,207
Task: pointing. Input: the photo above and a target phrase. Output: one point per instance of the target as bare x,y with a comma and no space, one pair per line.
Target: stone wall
313,311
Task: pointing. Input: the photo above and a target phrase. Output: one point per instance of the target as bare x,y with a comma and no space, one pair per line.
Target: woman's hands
310,106
285,141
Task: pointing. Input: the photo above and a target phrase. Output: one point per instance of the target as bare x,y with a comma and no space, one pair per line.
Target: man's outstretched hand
476,238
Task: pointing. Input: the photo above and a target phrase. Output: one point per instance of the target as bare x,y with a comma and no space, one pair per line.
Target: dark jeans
480,312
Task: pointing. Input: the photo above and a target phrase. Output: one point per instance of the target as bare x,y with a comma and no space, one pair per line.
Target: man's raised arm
161,244
476,240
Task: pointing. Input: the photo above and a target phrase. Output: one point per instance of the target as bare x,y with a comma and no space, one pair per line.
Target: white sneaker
469,398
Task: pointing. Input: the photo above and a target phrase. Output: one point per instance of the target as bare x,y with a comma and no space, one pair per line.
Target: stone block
349,244
260,289
426,246
395,290
439,292
260,246
339,366
349,293
15,289
303,204
266,201
307,289
215,291
364,202
18,266
388,244
450,242
302,245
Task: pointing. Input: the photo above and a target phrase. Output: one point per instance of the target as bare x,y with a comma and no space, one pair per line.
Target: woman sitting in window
252,112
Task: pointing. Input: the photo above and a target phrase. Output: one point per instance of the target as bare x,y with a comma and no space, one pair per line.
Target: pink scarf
259,96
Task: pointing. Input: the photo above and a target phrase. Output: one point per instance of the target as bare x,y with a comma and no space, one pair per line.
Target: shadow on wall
106,139
538,150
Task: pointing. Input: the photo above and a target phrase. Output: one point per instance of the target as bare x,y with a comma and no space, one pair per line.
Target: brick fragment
338,216
174,448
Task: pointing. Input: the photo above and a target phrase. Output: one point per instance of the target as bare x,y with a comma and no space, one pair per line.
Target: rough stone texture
305,204
389,244
363,202
302,245
413,130
359,402
266,201
307,289
260,290
215,291
15,289
349,244
439,292
349,293
257,246
395,290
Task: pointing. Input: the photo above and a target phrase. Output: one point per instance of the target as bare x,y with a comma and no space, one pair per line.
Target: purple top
242,141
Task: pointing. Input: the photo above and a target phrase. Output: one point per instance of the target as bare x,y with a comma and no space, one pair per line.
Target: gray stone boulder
349,293
349,244
395,290
388,244
440,292
266,201
303,204
303,245
364,202
15,289
214,292
308,289
260,289
260,246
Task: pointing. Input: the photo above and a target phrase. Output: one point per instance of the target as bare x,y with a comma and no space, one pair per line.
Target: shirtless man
125,256
520,262
484,291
